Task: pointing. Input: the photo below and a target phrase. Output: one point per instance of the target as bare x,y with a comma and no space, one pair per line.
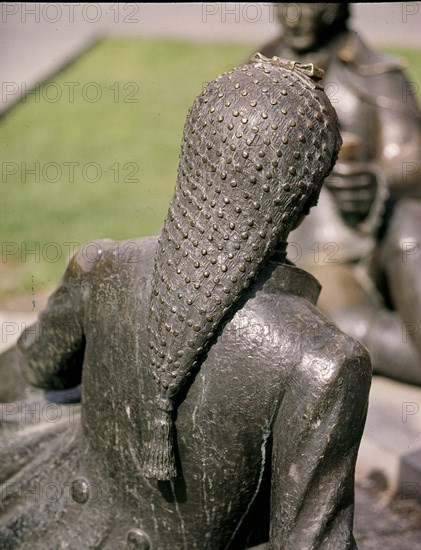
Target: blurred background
94,98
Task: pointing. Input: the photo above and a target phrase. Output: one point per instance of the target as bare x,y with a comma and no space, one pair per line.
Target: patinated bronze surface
363,240
220,408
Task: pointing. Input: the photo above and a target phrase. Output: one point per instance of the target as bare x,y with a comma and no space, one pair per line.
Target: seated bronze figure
363,241
220,409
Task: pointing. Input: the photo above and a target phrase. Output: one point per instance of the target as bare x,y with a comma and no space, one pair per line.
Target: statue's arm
400,135
51,351
13,384
316,435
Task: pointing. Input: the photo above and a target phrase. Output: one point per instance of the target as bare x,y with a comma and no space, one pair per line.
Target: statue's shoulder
355,53
314,346
291,327
109,254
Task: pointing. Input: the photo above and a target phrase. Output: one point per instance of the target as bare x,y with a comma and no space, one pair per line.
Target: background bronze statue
363,241
220,408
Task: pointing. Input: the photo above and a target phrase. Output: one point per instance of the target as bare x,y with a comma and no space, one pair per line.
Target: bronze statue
220,408
363,240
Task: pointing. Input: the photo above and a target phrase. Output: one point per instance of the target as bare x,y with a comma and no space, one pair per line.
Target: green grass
140,138
412,60
146,87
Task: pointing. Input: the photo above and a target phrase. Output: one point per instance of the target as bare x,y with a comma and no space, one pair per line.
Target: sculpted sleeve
316,437
51,350
400,129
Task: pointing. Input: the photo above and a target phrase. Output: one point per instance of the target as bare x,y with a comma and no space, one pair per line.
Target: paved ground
381,523
384,524
392,437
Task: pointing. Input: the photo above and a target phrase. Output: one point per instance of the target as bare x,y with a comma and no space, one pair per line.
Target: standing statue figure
220,409
363,241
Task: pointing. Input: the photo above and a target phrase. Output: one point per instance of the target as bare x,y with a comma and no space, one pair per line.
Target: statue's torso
224,418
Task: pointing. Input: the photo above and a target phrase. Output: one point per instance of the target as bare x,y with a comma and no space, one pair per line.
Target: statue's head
257,144
308,26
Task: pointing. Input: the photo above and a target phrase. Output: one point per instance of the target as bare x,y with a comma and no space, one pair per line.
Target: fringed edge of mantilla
159,454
